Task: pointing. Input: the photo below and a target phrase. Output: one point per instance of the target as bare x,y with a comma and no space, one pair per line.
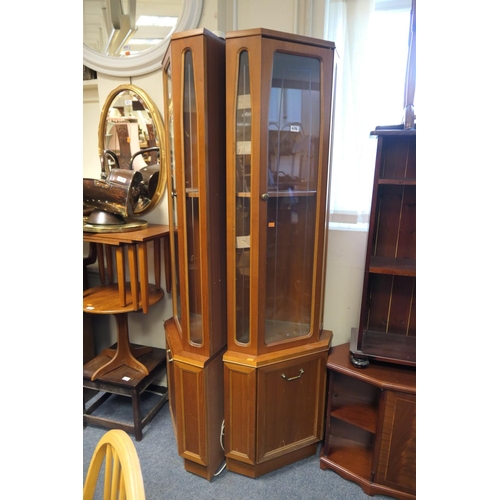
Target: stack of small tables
126,369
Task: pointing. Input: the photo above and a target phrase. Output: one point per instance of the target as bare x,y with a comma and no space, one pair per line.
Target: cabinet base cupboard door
275,406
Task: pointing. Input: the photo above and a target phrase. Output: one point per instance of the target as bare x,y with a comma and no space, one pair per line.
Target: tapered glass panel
191,172
243,160
176,300
292,173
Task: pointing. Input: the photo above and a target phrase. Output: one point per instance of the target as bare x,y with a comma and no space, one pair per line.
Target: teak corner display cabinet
279,89
387,326
196,334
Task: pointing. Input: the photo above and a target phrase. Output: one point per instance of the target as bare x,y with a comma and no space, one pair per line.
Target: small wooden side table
123,261
135,242
119,296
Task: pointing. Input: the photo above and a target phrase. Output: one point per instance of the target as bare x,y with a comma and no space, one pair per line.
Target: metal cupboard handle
293,378
169,356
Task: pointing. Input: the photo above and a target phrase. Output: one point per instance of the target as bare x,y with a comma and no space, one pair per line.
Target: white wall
346,249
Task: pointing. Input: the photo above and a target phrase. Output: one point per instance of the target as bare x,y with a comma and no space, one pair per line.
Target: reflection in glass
192,201
243,163
292,173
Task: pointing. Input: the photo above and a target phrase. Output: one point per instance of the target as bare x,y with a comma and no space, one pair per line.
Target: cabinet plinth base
256,470
368,487
200,470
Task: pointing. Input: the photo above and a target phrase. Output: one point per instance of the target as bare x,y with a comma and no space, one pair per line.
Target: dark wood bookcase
387,326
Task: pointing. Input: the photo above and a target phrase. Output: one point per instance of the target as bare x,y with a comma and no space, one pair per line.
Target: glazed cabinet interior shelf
387,325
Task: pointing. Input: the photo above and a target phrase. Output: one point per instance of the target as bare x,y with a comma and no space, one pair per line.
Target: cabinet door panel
397,451
190,405
239,412
290,405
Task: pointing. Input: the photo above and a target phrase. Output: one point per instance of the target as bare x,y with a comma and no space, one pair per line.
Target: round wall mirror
132,138
117,43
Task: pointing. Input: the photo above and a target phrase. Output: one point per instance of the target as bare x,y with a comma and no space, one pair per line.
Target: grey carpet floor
166,479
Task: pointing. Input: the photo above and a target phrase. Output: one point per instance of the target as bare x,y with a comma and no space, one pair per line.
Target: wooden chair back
122,470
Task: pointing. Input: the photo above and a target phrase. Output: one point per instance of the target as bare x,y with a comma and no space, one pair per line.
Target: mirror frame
160,134
149,60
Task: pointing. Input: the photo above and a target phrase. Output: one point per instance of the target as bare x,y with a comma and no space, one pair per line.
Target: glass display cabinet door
279,177
290,207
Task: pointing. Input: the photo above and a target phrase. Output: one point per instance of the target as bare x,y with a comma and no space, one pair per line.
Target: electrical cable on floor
223,466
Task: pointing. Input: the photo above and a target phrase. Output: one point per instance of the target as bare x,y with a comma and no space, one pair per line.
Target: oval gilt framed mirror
132,138
114,25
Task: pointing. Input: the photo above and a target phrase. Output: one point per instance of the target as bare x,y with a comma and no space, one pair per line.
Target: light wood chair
122,469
